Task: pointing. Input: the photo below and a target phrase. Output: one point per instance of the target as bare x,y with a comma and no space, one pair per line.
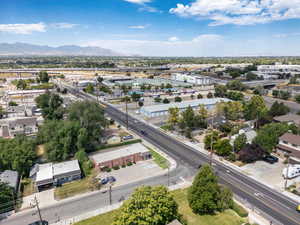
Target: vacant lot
228,217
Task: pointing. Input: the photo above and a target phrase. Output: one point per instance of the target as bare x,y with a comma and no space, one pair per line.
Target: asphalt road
261,197
276,205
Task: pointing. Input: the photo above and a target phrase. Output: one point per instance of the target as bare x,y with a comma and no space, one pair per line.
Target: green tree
225,199
236,85
251,76
202,112
166,101
173,118
297,98
278,109
22,84
220,90
141,104
99,79
157,99
43,77
51,105
178,99
210,95
135,97
255,108
12,103
7,197
240,142
267,136
89,89
204,194
169,86
148,206
199,96
211,139
223,147
188,117
235,95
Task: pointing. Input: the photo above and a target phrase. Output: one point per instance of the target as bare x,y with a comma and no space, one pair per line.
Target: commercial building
11,178
162,109
192,78
289,144
129,154
49,174
153,82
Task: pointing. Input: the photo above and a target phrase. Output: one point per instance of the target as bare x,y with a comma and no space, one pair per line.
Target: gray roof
10,177
183,105
18,121
65,167
288,118
116,154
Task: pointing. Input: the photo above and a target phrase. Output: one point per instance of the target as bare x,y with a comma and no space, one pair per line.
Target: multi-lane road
277,206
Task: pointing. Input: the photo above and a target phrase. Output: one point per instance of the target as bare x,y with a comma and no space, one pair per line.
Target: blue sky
157,27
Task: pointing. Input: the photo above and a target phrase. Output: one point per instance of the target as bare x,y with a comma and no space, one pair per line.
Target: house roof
116,154
175,222
185,104
45,172
10,177
65,167
288,118
18,120
290,138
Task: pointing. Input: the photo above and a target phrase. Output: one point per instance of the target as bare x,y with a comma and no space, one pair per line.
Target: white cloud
202,45
173,39
63,25
137,27
23,28
150,9
138,1
239,12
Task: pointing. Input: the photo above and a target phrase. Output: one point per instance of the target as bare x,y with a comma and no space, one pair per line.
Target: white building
291,171
162,109
10,127
192,78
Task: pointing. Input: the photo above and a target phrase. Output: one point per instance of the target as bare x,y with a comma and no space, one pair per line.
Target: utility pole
109,192
168,175
38,208
211,142
126,112
287,172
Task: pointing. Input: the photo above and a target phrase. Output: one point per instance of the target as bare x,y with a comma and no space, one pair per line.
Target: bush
116,167
239,210
232,157
106,169
123,166
129,164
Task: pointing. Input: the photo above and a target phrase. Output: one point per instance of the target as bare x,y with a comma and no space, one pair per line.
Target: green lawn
158,159
228,217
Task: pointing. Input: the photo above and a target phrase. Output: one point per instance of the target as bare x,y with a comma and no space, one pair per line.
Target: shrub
240,210
116,167
123,166
129,164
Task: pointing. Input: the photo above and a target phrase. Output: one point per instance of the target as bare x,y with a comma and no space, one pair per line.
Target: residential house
249,132
11,178
289,144
175,222
289,118
52,174
10,127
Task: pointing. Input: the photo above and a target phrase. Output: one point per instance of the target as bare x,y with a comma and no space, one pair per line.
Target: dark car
143,132
111,179
104,180
270,159
39,223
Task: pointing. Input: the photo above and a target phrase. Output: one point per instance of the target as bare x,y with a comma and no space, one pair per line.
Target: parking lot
139,171
267,173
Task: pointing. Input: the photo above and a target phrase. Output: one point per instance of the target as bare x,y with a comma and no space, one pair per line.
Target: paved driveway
139,171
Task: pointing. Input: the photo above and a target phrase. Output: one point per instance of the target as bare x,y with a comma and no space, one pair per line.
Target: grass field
76,187
229,217
158,159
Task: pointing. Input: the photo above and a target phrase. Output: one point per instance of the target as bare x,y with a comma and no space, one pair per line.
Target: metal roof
116,154
65,167
182,105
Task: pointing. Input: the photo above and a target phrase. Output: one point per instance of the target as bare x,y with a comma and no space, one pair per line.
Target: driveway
270,174
139,171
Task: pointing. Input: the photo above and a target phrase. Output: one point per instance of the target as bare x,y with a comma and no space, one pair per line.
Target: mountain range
24,49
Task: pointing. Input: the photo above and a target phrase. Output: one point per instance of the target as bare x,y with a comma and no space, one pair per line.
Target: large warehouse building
162,109
192,78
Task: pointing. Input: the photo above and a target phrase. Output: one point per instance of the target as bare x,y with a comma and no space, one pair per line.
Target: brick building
132,153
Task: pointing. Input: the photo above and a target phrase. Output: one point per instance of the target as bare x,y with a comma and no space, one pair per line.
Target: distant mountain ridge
25,49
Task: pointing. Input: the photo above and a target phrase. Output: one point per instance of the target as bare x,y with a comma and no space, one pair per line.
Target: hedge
239,210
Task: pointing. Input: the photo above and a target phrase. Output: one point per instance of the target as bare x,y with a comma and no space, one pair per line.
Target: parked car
104,180
44,222
111,179
127,137
143,132
270,159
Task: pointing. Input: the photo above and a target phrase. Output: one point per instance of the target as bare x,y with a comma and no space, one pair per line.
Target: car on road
270,159
44,222
143,132
127,137
298,208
